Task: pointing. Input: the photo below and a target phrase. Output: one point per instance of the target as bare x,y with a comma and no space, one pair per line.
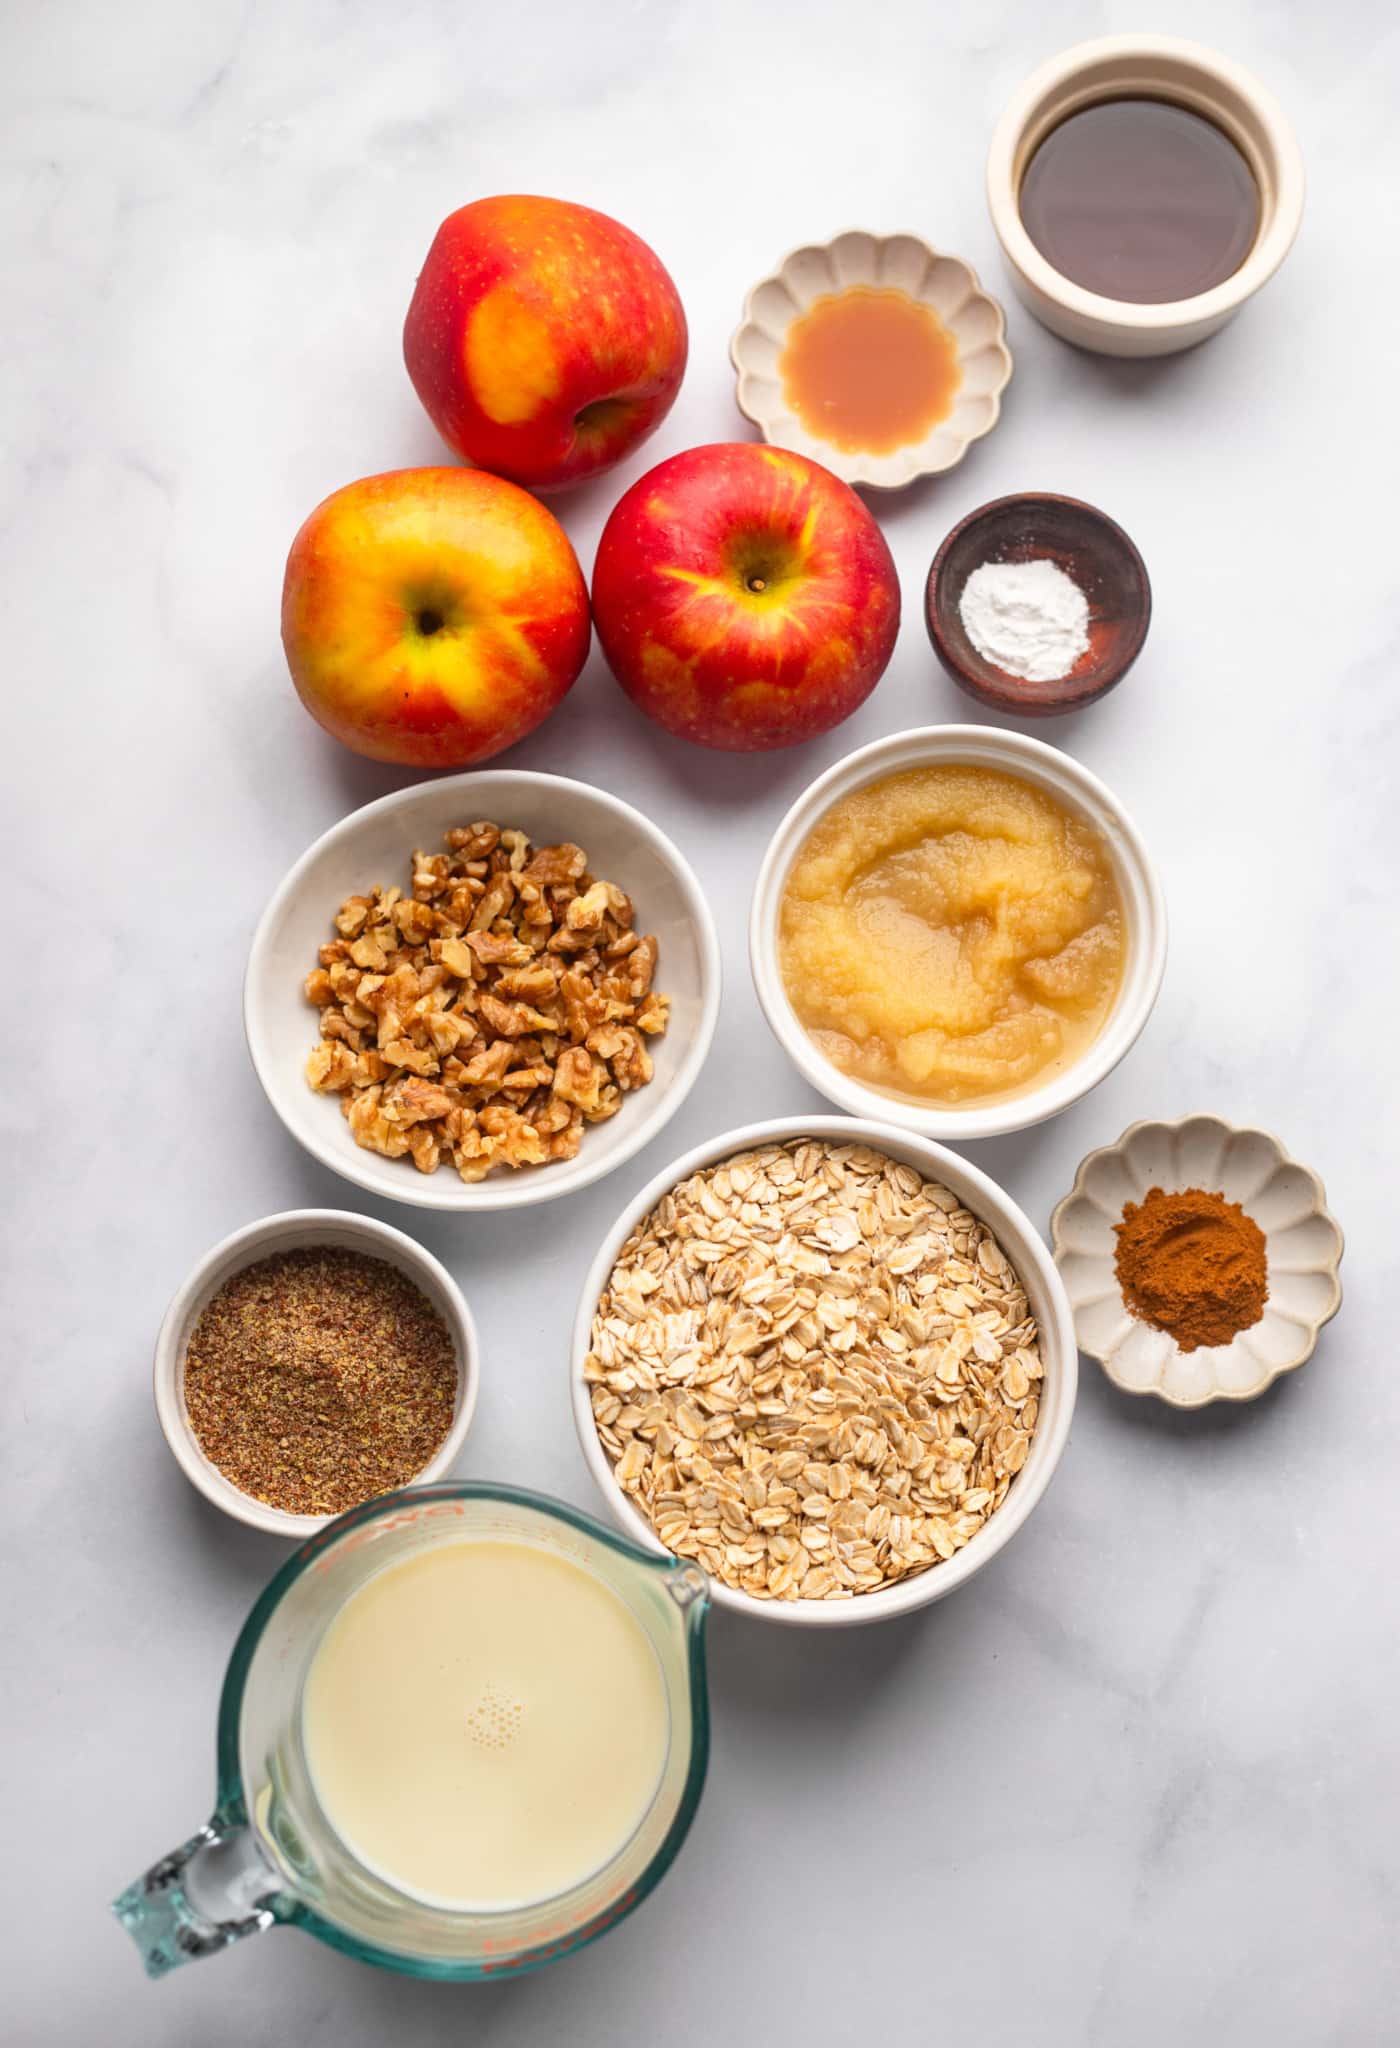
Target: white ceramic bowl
1072,785
295,1230
376,844
1303,1246
1044,1292
945,284
1151,67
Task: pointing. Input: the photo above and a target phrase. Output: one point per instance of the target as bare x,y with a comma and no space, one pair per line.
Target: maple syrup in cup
1140,200
869,370
485,1725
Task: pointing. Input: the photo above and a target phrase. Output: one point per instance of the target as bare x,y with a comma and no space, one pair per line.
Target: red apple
545,340
745,597
433,616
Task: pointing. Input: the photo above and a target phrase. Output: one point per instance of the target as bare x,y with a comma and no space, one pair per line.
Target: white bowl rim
992,1205
1317,1324
280,1232
1074,783
853,465
445,1190
1264,258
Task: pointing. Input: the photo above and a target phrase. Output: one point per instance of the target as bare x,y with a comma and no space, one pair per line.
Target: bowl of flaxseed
830,1362
312,1361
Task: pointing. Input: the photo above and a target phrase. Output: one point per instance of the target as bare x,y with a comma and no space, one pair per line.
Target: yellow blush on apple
433,616
545,339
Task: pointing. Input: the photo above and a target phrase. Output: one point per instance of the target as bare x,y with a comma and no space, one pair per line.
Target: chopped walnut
579,1078
586,912
484,1018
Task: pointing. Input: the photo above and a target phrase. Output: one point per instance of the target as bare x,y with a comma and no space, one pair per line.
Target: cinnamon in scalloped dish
485,1018
1192,1264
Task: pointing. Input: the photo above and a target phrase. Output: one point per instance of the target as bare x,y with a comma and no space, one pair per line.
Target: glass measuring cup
269,1857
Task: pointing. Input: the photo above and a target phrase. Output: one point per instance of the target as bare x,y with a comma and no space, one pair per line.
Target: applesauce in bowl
957,929
950,932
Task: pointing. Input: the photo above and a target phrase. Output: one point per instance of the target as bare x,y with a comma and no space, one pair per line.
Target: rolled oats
486,1018
814,1371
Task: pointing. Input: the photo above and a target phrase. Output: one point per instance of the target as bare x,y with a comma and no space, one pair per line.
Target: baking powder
1027,618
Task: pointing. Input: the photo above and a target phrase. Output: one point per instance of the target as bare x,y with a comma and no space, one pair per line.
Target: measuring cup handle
210,1892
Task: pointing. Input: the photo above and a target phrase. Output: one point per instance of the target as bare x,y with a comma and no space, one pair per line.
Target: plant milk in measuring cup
463,1731
485,1724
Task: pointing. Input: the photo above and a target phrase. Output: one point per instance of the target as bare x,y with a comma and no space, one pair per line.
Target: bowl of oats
484,991
829,1361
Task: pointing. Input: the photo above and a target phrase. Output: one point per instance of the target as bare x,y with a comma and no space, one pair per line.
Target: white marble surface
1138,1782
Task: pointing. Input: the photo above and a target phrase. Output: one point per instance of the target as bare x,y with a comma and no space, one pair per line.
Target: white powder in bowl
1026,618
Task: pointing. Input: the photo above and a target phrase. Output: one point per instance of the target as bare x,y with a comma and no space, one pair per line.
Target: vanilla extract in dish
869,369
1140,200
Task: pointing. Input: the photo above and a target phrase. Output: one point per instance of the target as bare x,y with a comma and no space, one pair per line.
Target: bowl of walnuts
482,992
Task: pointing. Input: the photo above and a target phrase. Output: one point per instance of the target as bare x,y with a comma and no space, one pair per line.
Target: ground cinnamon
1193,1264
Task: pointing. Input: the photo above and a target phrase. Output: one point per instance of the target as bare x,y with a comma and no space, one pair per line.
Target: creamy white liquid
486,1724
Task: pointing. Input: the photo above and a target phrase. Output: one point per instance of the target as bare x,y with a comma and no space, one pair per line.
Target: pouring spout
210,1892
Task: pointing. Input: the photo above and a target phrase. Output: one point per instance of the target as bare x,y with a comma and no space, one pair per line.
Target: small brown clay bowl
1088,546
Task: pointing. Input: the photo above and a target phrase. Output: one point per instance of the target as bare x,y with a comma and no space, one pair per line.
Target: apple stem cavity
601,416
429,622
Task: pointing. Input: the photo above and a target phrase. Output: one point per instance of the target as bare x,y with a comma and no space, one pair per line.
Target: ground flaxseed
317,1379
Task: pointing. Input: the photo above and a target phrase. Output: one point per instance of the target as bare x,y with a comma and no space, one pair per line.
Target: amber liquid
1140,200
869,370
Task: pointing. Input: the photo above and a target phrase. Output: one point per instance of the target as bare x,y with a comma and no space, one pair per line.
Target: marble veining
1137,1783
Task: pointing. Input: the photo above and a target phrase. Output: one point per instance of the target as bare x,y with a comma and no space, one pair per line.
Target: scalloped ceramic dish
1247,1166
945,284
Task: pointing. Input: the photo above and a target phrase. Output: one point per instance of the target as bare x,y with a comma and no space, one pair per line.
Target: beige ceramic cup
1144,67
